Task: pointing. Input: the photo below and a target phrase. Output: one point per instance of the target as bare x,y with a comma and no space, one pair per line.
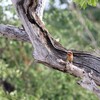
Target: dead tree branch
49,52
81,60
12,32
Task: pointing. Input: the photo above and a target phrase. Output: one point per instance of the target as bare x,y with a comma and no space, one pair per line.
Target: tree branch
50,52
15,33
12,32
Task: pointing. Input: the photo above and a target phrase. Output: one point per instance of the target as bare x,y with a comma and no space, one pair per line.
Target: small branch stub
72,69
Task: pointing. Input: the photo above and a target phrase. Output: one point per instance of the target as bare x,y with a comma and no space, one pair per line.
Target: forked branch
52,53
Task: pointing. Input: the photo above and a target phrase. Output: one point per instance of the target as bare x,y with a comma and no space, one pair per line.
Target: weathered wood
81,59
12,32
49,52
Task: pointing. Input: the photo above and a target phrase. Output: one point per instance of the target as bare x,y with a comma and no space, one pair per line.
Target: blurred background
23,79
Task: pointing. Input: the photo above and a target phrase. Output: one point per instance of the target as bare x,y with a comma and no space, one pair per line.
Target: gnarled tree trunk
48,51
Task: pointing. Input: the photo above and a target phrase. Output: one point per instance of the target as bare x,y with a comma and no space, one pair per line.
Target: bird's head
69,53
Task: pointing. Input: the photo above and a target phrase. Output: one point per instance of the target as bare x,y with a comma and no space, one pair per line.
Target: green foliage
37,82
41,83
84,3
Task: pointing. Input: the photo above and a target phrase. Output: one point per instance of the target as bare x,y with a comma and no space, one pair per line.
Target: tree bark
15,33
51,53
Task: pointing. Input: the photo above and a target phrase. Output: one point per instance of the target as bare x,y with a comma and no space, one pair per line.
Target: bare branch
12,32
86,82
50,52
81,59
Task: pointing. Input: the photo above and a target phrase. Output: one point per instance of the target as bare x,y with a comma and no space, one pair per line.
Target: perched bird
70,56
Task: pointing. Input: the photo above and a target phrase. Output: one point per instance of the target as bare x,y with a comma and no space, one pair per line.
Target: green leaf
84,3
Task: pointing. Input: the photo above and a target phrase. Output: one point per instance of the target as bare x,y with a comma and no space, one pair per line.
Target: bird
69,56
